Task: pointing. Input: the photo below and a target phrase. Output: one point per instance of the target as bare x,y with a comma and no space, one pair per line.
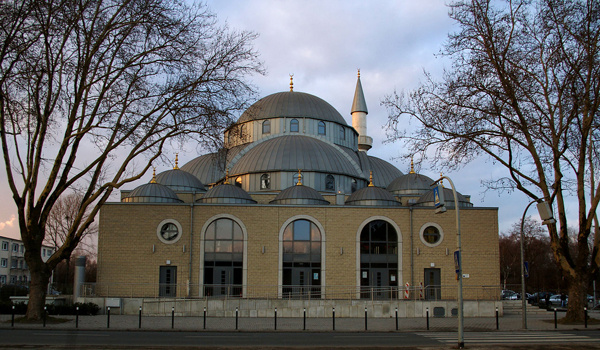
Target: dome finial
153,181
291,82
442,180
176,161
371,179
299,183
359,73
412,166
226,175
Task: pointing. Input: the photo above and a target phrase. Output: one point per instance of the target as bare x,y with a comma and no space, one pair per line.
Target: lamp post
546,215
439,201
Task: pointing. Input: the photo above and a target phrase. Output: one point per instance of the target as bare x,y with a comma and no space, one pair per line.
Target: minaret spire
291,82
359,113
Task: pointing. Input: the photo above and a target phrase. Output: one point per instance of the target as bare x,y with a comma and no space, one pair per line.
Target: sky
323,44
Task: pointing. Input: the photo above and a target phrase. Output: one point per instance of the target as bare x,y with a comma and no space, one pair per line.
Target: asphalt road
75,339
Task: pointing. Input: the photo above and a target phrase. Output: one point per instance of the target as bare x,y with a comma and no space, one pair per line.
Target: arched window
342,133
353,186
295,179
238,181
294,125
301,260
265,181
266,127
378,260
243,132
321,128
223,258
329,183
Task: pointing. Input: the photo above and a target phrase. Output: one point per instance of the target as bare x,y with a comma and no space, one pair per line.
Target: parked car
555,300
509,294
536,298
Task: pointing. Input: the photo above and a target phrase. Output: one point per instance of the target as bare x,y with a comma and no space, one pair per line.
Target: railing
153,290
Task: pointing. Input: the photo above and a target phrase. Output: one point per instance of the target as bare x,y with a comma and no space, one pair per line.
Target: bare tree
92,91
523,90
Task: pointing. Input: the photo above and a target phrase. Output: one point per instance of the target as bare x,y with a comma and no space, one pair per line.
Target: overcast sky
323,43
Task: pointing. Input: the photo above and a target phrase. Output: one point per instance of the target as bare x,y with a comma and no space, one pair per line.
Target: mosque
293,207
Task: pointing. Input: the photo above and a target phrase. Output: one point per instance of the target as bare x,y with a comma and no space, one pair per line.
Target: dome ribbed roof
290,153
463,202
383,172
179,180
411,183
299,194
152,193
208,168
292,104
227,194
372,195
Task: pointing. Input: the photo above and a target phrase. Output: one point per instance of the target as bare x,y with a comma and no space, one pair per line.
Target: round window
169,231
431,234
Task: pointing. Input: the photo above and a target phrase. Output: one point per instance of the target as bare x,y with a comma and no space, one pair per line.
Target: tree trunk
577,298
37,291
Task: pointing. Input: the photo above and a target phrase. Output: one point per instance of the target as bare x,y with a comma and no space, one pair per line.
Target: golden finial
153,181
442,180
359,72
412,166
176,161
371,179
226,175
291,82
299,178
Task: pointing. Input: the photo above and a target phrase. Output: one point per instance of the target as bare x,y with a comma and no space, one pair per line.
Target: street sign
438,195
526,268
457,260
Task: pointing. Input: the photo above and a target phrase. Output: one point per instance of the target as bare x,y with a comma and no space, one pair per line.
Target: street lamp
546,215
439,202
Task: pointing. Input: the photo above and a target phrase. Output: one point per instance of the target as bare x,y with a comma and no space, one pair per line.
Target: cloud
9,223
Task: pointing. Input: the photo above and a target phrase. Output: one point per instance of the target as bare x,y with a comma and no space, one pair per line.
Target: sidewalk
158,323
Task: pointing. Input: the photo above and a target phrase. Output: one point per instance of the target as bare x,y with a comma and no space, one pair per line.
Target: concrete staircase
514,307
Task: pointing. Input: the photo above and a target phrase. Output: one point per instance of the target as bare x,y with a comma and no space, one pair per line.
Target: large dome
383,172
180,181
372,195
410,184
290,153
292,104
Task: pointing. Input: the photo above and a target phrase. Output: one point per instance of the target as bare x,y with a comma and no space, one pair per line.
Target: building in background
13,268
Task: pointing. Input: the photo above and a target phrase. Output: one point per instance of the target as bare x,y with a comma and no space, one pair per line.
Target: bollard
333,318
365,318
12,319
204,317
555,319
77,317
108,317
427,317
236,318
585,316
396,318
497,324
172,317
304,327
275,318
44,316
140,318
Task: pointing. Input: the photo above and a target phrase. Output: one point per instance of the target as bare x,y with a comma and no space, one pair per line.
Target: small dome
383,172
180,181
372,195
411,184
290,153
299,195
152,193
427,199
227,194
208,168
292,104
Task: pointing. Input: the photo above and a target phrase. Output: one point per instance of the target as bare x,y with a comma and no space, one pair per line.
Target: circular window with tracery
169,231
431,234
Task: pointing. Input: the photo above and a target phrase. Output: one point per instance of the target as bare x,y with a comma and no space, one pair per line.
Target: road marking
510,338
71,334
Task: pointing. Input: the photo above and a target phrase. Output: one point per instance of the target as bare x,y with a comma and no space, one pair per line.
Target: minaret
359,117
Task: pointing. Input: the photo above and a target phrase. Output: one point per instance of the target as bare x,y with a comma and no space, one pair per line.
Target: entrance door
432,281
222,280
167,281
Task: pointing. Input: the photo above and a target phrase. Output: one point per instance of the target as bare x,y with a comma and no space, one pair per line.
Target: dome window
265,181
321,128
329,183
294,125
243,132
342,133
266,127
238,182
353,186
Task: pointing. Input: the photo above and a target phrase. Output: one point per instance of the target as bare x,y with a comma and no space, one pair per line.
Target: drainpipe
412,252
191,242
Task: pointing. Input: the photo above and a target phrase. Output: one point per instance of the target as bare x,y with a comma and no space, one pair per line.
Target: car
536,298
515,296
556,300
508,294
